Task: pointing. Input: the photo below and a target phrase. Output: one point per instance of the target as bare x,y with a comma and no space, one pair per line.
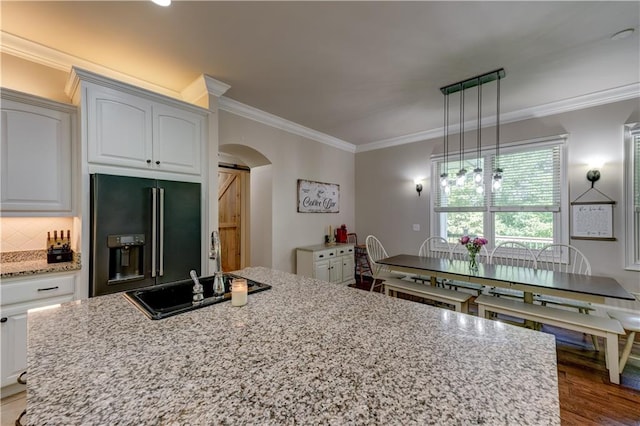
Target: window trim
560,227
632,246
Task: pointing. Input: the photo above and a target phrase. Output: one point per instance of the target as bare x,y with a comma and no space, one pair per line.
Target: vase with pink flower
473,246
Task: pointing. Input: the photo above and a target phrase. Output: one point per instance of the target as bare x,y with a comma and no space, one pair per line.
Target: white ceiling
363,72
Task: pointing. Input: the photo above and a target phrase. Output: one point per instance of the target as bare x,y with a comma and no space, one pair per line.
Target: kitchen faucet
198,290
215,254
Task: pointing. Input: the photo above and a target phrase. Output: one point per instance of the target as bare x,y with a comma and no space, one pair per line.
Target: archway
256,238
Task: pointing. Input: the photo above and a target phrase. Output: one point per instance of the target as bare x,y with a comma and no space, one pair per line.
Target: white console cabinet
328,263
18,295
36,157
130,127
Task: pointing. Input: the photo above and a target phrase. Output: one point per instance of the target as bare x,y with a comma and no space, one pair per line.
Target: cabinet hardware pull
148,161
158,162
3,319
48,288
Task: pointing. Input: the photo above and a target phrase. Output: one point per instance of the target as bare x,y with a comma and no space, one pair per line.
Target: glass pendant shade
497,180
461,177
477,175
444,180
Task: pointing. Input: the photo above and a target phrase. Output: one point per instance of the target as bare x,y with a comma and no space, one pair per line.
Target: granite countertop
305,351
33,262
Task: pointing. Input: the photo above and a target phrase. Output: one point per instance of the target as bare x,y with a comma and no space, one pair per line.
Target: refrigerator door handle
161,256
154,230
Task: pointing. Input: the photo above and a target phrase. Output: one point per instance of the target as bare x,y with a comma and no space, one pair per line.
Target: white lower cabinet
327,263
18,296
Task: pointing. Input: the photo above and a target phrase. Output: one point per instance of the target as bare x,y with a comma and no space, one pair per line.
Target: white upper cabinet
119,128
130,127
36,155
178,137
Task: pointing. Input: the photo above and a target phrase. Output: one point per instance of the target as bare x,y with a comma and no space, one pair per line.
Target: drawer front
345,250
29,290
324,254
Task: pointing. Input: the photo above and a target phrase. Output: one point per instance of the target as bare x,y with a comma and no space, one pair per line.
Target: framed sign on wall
318,197
592,221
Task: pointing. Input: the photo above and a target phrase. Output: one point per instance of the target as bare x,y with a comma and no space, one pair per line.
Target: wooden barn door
230,216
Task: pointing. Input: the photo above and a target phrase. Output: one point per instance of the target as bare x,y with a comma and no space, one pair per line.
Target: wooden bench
607,328
458,299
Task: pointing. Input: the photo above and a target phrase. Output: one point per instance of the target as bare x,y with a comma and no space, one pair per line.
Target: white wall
261,211
293,157
387,203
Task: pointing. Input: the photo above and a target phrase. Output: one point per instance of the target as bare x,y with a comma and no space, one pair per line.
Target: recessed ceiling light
162,2
622,34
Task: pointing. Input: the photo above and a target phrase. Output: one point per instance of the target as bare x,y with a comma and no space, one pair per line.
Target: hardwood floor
587,397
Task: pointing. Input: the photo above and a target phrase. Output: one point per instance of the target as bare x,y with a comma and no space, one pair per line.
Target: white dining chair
564,258
511,253
460,252
437,247
375,252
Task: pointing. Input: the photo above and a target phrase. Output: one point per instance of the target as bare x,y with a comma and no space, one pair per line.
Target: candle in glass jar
239,292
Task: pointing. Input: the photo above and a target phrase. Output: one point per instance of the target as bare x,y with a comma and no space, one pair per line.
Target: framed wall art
592,221
318,197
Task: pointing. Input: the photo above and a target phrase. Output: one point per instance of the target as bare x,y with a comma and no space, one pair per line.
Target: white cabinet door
36,158
177,139
118,128
321,270
348,268
14,346
335,270
13,336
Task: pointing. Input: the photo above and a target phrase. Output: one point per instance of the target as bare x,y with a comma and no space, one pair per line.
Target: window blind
531,180
636,172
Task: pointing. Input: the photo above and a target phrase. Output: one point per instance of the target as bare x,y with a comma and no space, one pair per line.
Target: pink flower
464,240
479,241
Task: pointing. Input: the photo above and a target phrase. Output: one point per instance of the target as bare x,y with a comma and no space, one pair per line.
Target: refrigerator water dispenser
126,258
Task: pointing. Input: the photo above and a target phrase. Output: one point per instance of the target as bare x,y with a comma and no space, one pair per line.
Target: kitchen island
306,351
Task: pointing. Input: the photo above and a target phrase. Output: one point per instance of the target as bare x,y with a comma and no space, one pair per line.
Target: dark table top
505,276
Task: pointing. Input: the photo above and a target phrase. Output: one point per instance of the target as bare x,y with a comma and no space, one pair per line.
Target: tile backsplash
30,233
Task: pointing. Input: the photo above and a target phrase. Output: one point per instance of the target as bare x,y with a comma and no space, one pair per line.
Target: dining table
587,288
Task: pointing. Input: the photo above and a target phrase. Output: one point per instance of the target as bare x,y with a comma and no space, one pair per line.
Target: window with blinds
636,172
632,177
527,208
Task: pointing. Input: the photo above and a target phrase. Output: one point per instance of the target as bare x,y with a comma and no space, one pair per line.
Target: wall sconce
418,183
593,176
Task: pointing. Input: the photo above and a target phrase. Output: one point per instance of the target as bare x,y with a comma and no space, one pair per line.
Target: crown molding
603,97
202,86
52,58
263,117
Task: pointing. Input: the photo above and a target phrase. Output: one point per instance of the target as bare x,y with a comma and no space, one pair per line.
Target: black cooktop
164,300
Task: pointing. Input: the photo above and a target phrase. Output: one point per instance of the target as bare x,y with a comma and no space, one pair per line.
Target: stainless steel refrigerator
143,232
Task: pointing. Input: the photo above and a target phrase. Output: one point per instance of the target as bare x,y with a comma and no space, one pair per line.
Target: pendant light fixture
478,173
462,173
497,172
444,176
